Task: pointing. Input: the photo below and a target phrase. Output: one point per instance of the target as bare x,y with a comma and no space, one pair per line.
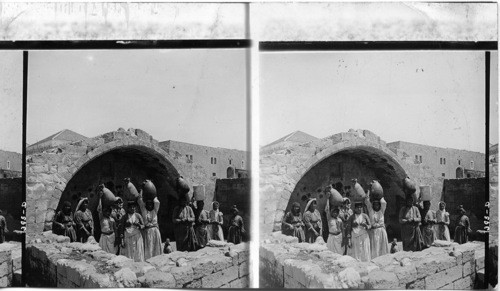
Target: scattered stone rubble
55,262
10,264
286,263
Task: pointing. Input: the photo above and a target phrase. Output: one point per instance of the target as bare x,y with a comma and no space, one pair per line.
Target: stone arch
283,177
459,173
126,158
230,172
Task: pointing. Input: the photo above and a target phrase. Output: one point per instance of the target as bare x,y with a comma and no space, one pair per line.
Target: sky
195,96
435,98
11,101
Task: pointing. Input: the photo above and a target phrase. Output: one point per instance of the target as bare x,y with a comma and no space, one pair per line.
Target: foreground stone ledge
53,263
286,263
10,263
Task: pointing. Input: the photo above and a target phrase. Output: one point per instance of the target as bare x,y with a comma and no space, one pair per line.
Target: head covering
442,202
346,200
80,204
309,203
357,204
66,203
215,203
119,200
235,209
131,203
294,205
461,208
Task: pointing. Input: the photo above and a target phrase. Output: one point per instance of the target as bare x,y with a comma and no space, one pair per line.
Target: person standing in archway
216,220
236,227
344,214
117,213
132,242
202,222
108,228
183,218
462,229
442,222
409,217
84,221
429,220
151,232
3,227
63,223
357,233
379,241
312,221
292,224
335,240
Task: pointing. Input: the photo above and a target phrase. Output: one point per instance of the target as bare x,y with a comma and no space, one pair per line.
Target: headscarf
442,202
235,209
215,203
80,204
356,204
309,203
461,209
66,204
294,205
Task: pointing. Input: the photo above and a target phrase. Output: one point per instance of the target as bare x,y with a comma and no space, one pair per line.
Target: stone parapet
10,264
55,262
285,263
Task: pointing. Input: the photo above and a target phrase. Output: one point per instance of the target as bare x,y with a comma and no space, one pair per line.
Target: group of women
135,233
353,233
363,235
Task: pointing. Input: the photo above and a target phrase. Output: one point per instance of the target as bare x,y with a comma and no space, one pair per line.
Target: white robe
360,239
151,234
379,242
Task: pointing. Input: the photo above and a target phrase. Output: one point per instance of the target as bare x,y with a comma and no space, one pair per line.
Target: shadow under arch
110,164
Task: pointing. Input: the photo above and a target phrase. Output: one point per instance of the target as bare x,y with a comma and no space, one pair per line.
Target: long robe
462,229
410,231
117,214
345,214
312,221
132,237
236,230
151,232
360,239
215,229
84,221
201,228
3,228
379,242
108,232
64,225
335,233
442,231
185,238
428,229
293,225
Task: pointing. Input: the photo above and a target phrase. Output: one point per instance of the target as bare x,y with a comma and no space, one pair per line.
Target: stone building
447,162
295,172
67,171
220,163
62,137
10,164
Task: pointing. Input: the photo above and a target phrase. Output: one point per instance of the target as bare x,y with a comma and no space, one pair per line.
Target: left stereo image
11,184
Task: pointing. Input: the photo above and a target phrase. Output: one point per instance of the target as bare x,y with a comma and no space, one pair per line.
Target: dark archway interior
363,163
138,163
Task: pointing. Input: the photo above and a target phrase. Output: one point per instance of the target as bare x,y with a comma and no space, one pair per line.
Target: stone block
4,282
119,261
220,278
165,259
417,284
193,284
5,269
182,275
447,287
467,269
426,267
442,278
5,256
157,279
463,283
125,278
243,269
239,283
210,264
349,278
382,280
406,274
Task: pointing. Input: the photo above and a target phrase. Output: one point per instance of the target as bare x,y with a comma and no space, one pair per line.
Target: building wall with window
10,161
444,162
218,162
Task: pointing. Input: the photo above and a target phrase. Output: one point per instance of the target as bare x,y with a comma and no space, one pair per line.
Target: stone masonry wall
10,264
49,172
10,197
281,170
54,262
285,263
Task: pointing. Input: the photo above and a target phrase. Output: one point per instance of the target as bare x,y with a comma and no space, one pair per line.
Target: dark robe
462,230
84,220
117,214
201,228
410,231
3,228
312,221
293,226
185,237
236,230
64,225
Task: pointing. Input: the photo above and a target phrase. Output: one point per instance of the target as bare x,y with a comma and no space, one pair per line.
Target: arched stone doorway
459,173
111,167
230,172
